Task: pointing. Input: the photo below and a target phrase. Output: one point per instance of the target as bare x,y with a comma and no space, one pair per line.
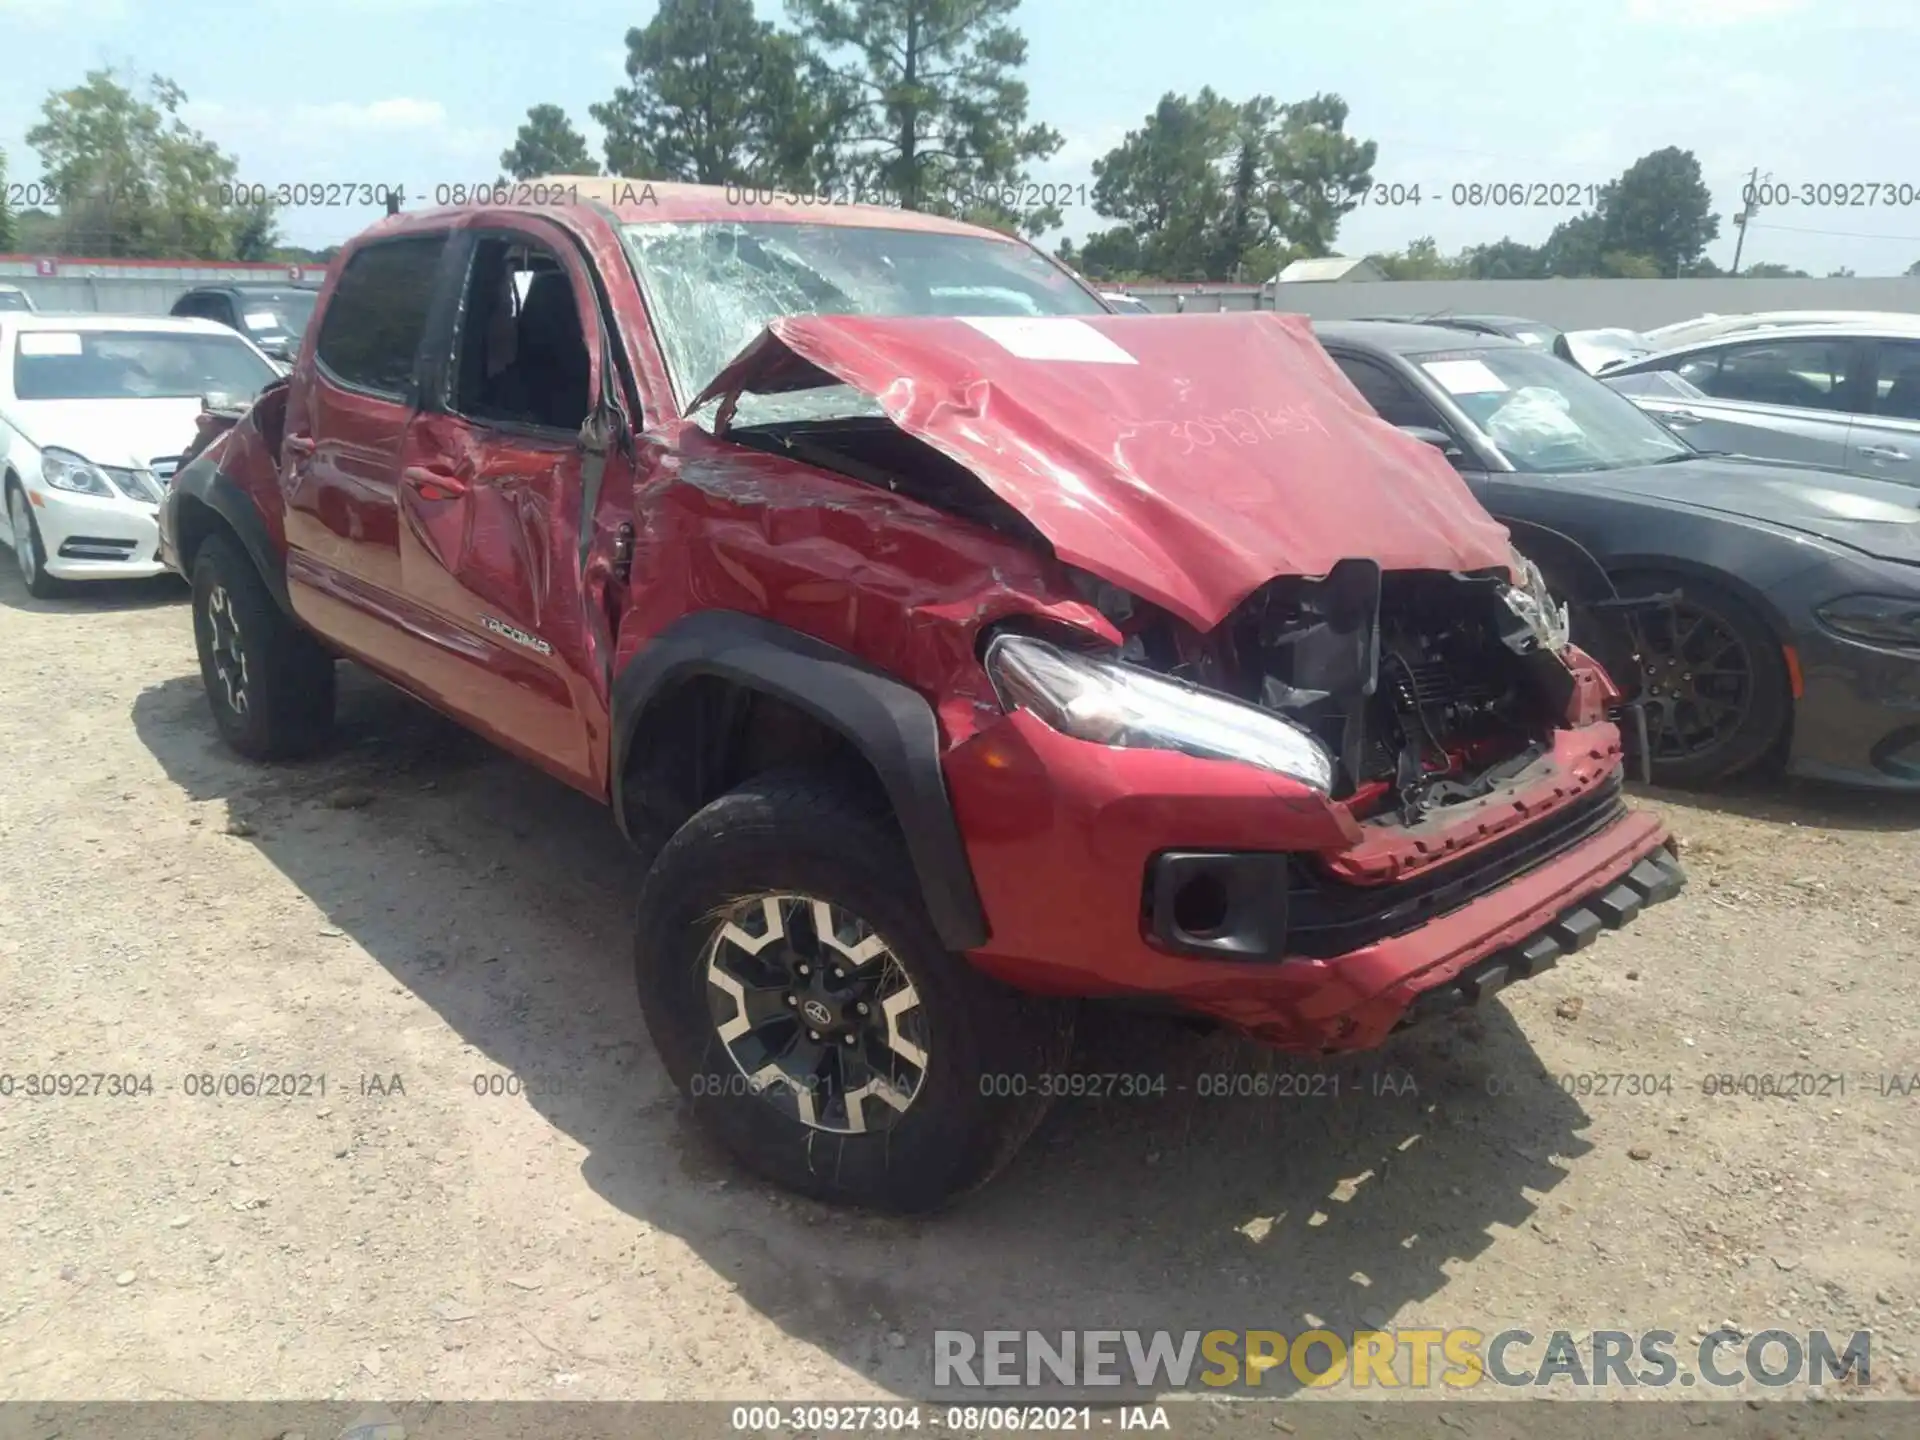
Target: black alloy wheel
816,1013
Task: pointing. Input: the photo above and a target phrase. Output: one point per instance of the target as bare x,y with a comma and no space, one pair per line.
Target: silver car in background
1685,333
1840,395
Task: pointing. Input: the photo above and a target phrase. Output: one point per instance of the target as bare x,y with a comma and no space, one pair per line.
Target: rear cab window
374,324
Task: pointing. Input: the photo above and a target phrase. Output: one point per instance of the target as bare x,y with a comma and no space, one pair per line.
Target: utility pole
1746,214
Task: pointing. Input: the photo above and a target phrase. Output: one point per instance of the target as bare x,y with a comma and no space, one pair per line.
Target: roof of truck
638,202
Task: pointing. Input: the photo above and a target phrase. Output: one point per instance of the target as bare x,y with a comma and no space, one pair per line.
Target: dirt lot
414,911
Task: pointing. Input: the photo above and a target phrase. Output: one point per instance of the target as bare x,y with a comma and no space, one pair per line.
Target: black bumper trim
1654,879
1329,917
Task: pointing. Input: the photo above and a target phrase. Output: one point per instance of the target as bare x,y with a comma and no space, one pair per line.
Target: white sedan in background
94,412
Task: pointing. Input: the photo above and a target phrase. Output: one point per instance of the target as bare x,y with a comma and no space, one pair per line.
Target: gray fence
1567,304
104,287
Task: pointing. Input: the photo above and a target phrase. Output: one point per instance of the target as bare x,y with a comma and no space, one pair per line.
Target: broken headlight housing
1545,618
1114,704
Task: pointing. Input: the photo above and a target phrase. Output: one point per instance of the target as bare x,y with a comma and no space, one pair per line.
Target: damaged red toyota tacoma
958,649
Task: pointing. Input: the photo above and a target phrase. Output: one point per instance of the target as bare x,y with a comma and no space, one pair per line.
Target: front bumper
1065,837
91,537
1857,721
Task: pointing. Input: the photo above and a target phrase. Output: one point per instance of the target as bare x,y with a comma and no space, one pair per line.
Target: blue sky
430,91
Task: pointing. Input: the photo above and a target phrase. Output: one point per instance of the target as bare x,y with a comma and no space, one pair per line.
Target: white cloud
1705,13
402,113
46,15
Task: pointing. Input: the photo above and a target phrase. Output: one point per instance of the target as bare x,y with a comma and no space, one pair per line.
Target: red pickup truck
959,649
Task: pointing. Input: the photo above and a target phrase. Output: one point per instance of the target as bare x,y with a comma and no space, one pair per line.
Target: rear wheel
1716,689
802,1002
28,552
270,683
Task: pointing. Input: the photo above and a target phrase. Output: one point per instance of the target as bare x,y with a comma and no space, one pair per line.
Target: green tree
1504,259
1422,260
547,144
1661,208
717,96
1574,247
929,103
1627,265
1845,272
1913,270
135,179
258,236
1772,270
1212,189
6,212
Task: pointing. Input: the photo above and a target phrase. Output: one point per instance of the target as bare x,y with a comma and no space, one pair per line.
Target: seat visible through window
523,357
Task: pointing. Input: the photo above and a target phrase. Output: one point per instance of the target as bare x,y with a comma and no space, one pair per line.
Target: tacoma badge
516,635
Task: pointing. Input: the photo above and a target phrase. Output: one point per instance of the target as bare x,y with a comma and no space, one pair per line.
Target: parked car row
1795,633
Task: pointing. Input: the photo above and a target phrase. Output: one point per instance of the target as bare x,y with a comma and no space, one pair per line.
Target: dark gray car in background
1796,631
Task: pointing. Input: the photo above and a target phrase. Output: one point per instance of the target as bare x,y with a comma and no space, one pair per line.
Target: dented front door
490,553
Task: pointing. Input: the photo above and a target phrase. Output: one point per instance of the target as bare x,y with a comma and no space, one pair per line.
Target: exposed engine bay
1430,688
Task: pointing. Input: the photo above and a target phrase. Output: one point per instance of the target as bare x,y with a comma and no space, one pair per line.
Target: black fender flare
202,480
891,725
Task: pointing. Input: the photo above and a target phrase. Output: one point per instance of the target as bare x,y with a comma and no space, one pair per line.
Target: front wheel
1715,682
28,551
270,683
802,1002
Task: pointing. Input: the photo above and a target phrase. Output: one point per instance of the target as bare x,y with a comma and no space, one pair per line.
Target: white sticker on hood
1052,338
49,342
1464,377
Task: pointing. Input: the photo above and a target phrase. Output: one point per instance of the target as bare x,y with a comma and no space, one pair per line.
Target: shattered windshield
713,286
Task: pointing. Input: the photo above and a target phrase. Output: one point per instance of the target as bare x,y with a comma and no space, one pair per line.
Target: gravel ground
415,918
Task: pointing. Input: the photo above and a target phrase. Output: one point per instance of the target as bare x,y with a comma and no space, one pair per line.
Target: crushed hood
1189,459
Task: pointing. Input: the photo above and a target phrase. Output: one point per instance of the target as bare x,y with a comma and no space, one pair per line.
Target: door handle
434,484
300,445
1683,417
1883,452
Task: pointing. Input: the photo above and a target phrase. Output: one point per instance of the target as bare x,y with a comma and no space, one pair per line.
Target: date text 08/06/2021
880,1419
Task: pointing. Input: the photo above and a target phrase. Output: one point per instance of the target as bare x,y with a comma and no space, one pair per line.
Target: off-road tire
289,684
1761,734
981,1095
42,586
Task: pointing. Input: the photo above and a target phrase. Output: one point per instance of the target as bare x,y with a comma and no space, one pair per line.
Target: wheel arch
1561,558
206,500
719,695
1687,568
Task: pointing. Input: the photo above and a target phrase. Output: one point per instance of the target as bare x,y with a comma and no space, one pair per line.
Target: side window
1395,401
1809,374
520,357
1896,390
370,336
1700,370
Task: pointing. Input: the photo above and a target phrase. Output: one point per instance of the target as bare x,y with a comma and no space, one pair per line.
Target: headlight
141,485
1878,619
64,470
1112,704
1546,619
